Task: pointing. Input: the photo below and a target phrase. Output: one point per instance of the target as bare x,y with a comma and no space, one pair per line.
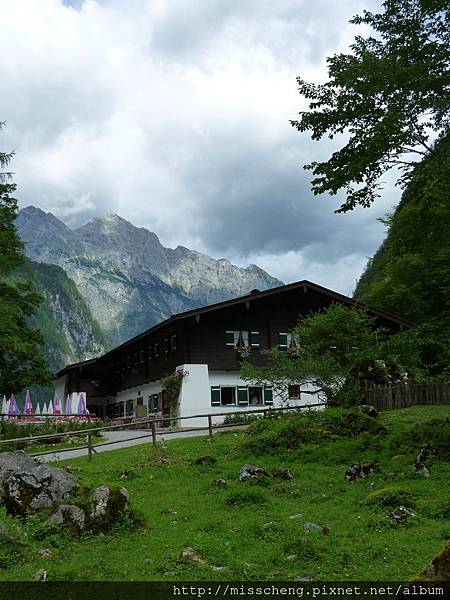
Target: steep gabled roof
255,295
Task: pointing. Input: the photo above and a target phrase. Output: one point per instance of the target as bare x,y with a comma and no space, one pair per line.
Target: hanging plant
171,387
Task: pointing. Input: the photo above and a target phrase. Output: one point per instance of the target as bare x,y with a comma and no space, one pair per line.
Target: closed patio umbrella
28,406
57,406
4,410
13,409
82,406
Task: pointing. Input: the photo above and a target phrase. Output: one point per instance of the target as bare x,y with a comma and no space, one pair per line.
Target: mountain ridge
127,278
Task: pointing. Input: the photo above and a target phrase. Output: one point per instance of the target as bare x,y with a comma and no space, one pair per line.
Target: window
255,395
294,392
128,362
149,353
142,357
227,396
287,341
135,359
153,403
242,339
156,350
124,364
129,408
166,345
173,342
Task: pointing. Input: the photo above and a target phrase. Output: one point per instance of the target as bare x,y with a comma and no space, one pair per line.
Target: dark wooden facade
199,337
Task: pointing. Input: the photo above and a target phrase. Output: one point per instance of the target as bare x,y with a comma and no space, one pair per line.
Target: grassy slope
182,507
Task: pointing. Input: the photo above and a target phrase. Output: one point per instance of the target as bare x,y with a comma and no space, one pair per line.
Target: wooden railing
404,395
90,446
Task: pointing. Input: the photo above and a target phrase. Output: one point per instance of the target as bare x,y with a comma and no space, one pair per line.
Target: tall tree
335,354
22,360
410,273
388,97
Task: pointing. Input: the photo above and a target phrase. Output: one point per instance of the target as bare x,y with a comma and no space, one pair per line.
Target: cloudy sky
175,115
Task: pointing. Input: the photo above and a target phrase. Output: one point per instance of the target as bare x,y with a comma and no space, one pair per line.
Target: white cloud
176,116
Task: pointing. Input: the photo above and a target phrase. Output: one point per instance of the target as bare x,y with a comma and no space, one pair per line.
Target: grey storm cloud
176,116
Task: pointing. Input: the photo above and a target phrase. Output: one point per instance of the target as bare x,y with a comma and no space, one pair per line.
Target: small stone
190,555
217,568
40,575
147,560
308,526
205,460
304,578
46,552
291,557
360,470
296,516
220,483
285,474
401,514
251,472
422,469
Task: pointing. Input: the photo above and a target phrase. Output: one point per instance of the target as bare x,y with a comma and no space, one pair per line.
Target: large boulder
70,517
28,486
108,505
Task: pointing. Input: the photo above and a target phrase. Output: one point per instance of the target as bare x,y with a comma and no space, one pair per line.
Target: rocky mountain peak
128,279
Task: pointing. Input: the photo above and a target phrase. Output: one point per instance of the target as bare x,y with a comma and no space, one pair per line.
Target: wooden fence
90,446
402,396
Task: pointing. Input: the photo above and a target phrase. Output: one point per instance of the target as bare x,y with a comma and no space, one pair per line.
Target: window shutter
255,339
268,396
215,396
242,396
229,338
282,341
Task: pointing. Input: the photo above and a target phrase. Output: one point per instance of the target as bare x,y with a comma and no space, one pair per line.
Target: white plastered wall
195,395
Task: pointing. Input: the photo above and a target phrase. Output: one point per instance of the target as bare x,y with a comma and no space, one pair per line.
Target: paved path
120,437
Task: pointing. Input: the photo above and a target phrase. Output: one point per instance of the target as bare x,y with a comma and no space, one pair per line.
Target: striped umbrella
50,408
57,406
82,406
44,409
28,407
4,410
13,409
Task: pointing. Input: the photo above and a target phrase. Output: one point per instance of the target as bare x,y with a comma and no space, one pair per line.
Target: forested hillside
70,331
410,273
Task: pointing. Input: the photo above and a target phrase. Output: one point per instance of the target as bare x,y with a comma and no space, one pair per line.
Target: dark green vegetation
389,95
70,331
22,359
10,430
336,353
410,273
256,530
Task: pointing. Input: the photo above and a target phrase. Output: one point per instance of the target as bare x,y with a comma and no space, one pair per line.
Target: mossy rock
391,496
109,504
439,568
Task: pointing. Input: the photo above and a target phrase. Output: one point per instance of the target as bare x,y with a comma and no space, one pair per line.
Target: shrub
435,433
291,431
240,418
390,497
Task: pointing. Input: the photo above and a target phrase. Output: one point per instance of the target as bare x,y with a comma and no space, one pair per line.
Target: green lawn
243,530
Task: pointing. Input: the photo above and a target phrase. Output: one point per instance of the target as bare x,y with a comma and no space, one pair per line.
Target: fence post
153,433
210,429
89,446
